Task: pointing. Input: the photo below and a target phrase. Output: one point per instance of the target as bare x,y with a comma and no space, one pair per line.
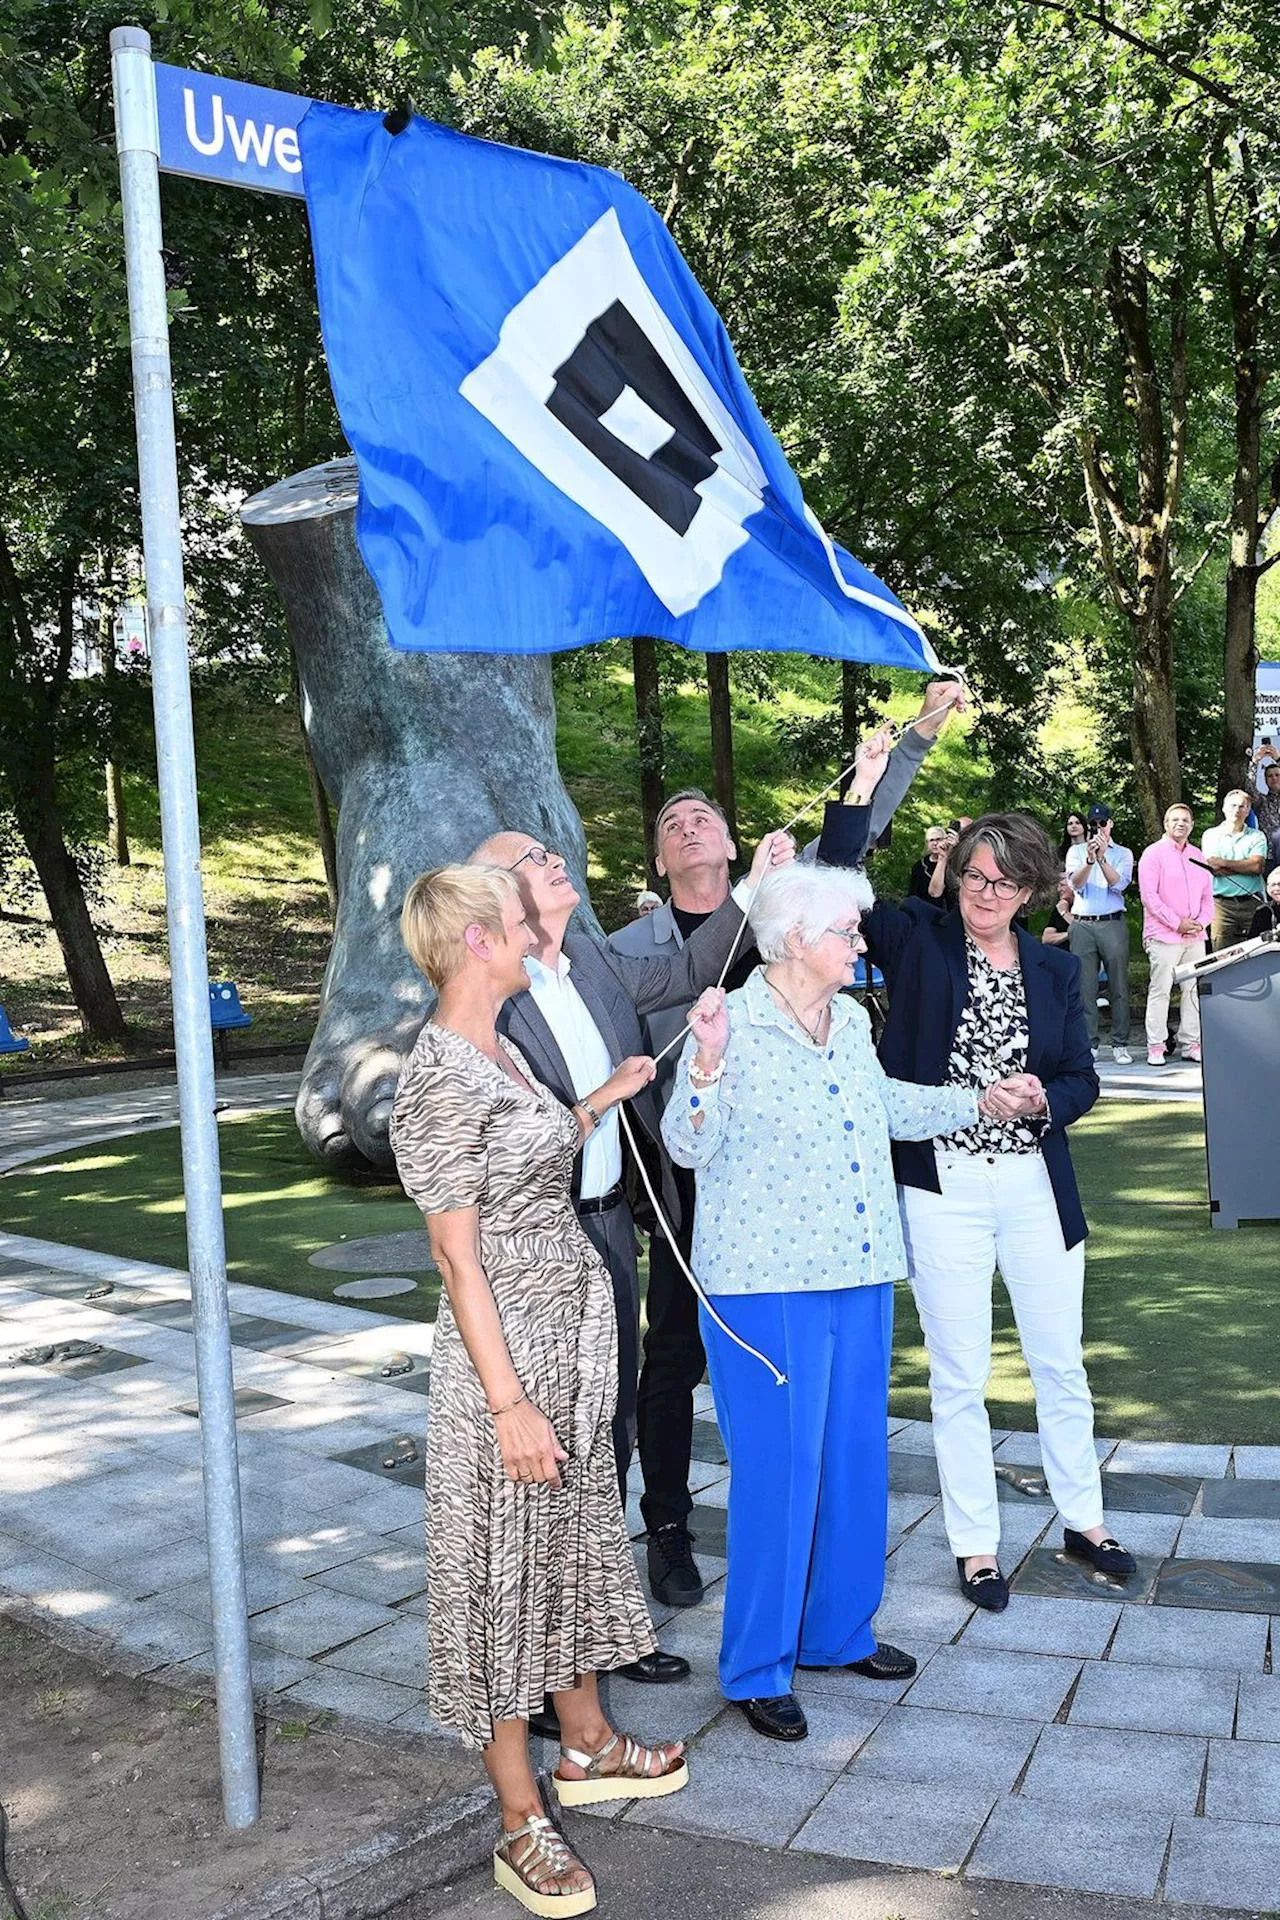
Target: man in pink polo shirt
1177,900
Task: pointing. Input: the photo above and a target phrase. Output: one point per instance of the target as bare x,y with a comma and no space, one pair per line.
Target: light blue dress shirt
795,1180
1095,897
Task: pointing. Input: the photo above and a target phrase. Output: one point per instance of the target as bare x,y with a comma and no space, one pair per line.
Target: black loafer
674,1580
886,1663
987,1588
1108,1556
781,1718
657,1669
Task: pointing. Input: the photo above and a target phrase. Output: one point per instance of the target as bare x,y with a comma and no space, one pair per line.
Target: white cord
780,1379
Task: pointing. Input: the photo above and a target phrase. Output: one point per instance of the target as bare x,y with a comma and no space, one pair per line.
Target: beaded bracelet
701,1079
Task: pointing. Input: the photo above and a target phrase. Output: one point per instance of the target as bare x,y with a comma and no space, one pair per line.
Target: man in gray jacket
693,853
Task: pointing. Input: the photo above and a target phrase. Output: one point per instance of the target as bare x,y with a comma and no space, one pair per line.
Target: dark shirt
918,885
1265,920
744,960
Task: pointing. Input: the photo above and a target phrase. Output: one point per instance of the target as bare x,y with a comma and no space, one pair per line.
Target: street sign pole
138,145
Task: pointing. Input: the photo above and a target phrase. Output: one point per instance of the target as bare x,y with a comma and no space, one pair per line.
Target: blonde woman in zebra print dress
531,1583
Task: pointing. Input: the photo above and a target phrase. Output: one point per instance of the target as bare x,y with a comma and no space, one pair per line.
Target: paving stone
1244,1782
317,1548
266,1586
707,1443
1023,1450
1100,1852
1164,1456
409,1465
1257,1463
1258,1712
1015,1686
1241,1499
708,1526
1149,1536
1223,1863
974,1750
1155,1699
273,1671
1150,1492
157,1635
397,1652
729,1796
900,1823
906,1510
318,1622
393,1574
666,1713
1177,1637
913,1473
1050,1572
912,1611
844,1683
1032,1625
837,1728
1238,1586
1098,1768
915,1436
354,1694
1207,1539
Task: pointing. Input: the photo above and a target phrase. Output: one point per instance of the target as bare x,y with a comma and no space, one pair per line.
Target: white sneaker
1122,1056
1096,1052
1155,1056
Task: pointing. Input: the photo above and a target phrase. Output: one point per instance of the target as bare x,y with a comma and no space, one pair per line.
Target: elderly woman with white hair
783,1110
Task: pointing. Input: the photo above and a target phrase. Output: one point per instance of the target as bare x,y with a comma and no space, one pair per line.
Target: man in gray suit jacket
693,851
580,1019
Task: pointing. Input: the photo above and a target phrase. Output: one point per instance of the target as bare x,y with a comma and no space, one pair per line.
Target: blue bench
225,1014
10,1042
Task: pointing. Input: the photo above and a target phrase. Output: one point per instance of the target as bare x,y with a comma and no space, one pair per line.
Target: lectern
1240,1053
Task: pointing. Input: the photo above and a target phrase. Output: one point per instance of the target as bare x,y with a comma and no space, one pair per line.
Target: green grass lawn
1183,1333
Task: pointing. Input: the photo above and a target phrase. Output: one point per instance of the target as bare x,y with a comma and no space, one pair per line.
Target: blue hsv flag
556,444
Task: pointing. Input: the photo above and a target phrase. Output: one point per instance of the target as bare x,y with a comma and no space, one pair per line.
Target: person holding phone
1099,871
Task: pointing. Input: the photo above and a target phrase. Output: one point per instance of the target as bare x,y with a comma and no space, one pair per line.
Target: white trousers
1165,956
1000,1210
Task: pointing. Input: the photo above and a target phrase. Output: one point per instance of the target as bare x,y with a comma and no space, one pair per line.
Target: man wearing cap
1099,871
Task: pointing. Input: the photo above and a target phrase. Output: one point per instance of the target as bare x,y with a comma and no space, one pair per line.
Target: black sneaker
674,1579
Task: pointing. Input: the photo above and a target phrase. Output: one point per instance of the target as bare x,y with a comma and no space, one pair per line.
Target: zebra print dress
527,1586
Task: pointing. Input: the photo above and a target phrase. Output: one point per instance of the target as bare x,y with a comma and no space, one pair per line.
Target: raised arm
694,1121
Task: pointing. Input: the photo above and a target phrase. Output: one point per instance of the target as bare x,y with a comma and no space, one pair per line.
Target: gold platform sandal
635,1778
534,1863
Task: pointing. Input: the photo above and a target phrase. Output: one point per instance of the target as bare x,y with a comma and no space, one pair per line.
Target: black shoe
987,1588
1108,1556
886,1663
781,1718
656,1669
674,1580
545,1725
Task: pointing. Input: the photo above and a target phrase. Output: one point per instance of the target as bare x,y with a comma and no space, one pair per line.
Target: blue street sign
214,129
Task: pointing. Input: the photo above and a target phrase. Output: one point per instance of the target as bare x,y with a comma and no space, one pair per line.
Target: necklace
812,1032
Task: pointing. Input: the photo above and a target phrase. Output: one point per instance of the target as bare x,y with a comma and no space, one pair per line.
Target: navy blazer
920,949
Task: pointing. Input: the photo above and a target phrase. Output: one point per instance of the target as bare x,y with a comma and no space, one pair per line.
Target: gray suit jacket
618,990
656,933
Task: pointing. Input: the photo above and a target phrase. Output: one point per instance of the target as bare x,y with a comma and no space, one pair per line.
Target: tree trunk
644,661
41,830
1153,723
319,798
1239,645
722,737
850,717
424,755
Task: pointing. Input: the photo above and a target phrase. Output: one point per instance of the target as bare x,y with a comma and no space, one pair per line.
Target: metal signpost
168,120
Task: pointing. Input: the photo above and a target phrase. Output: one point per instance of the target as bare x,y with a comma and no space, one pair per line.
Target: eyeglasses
851,935
973,880
539,856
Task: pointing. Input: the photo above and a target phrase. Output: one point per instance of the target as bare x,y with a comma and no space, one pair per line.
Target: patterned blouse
795,1181
991,1041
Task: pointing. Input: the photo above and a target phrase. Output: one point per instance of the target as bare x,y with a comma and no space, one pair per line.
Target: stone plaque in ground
1239,1586
382,1288
378,1253
1050,1571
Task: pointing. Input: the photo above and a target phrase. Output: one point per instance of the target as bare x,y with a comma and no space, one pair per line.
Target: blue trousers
808,1498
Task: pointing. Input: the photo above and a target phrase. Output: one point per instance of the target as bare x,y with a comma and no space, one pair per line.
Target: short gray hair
806,900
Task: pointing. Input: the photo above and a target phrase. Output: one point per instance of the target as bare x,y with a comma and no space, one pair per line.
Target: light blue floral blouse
795,1182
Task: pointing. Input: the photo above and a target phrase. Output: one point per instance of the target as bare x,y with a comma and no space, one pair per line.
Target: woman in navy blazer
973,999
